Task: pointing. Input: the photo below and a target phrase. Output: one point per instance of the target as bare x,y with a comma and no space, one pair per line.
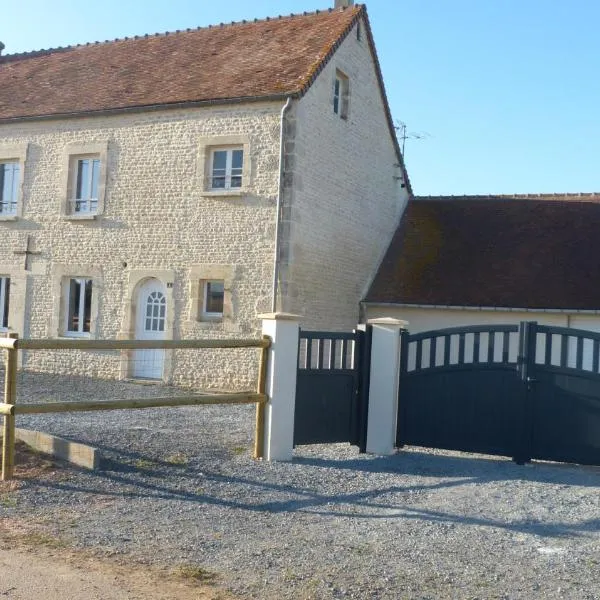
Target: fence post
282,367
259,434
10,396
383,385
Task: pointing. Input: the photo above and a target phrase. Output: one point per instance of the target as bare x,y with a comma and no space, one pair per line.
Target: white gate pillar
383,386
283,329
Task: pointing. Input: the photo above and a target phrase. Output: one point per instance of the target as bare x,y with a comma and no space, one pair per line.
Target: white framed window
10,182
78,294
86,178
4,301
213,298
341,93
226,168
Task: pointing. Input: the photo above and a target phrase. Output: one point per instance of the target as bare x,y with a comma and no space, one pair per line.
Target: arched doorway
150,324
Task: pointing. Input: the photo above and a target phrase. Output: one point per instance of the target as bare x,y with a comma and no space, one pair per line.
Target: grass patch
178,459
7,501
195,572
35,538
239,450
145,464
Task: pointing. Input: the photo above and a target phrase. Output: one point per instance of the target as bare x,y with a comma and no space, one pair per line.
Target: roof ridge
4,58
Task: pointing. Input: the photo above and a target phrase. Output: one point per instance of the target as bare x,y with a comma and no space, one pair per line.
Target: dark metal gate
332,388
529,392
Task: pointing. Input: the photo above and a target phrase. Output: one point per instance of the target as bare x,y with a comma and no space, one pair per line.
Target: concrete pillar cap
279,316
388,321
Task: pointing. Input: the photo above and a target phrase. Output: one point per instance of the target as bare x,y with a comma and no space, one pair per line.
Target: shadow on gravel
486,469
202,487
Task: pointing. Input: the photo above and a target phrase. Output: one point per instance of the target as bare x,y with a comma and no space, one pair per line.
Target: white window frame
87,204
209,314
13,202
341,94
229,150
14,154
82,281
85,208
4,302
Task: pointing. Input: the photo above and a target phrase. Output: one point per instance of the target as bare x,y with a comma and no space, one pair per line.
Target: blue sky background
505,93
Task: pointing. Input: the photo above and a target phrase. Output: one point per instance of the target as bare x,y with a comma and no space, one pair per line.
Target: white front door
150,325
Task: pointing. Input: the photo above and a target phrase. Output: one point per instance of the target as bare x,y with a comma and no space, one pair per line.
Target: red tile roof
248,60
495,251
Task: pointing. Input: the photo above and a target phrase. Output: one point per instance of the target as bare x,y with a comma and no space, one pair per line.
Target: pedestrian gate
332,388
528,391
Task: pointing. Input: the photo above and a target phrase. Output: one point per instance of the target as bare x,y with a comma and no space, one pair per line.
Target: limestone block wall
157,221
343,197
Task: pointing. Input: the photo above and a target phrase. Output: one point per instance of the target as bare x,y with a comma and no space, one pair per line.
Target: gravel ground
179,486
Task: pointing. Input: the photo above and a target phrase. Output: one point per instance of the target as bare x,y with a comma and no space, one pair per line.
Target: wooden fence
9,408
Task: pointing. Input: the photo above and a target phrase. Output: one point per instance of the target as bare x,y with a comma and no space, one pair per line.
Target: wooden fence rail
12,345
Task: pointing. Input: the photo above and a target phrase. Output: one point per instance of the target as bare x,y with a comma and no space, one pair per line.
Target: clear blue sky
506,91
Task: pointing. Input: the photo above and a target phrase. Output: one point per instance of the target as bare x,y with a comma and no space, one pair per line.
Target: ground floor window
4,301
214,294
79,306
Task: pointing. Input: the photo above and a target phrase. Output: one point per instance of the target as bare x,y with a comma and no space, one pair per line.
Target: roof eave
479,308
153,107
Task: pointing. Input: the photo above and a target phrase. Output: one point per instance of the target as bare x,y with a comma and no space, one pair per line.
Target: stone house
178,185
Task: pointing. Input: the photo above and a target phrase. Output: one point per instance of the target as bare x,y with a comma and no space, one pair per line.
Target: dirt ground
33,566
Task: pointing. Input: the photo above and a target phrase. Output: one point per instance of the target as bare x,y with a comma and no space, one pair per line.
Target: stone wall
158,221
344,196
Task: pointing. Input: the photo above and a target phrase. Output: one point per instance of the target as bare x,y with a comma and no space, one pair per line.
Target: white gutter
485,308
285,108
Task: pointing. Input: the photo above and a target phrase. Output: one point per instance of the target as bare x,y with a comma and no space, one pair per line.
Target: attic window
341,89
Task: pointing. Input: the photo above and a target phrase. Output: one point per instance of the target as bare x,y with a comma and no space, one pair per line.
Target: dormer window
341,89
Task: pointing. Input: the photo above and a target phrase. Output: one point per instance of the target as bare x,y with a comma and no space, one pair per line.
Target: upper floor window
4,301
79,306
84,181
341,90
10,179
227,167
86,177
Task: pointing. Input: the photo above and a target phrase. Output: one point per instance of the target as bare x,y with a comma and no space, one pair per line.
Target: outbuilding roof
522,251
269,58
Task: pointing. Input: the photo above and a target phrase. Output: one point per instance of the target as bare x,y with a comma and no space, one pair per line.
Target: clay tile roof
248,60
519,251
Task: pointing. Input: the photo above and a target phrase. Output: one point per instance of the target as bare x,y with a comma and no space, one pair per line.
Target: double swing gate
529,391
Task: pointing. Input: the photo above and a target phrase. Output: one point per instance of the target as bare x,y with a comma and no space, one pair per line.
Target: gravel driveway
179,486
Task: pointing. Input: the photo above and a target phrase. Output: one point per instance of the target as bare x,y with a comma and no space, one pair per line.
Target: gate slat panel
548,356
491,346
564,346
432,351
419,355
461,349
579,353
505,346
446,350
476,347
596,357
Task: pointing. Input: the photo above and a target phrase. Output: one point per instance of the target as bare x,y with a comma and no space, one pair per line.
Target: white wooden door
150,325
